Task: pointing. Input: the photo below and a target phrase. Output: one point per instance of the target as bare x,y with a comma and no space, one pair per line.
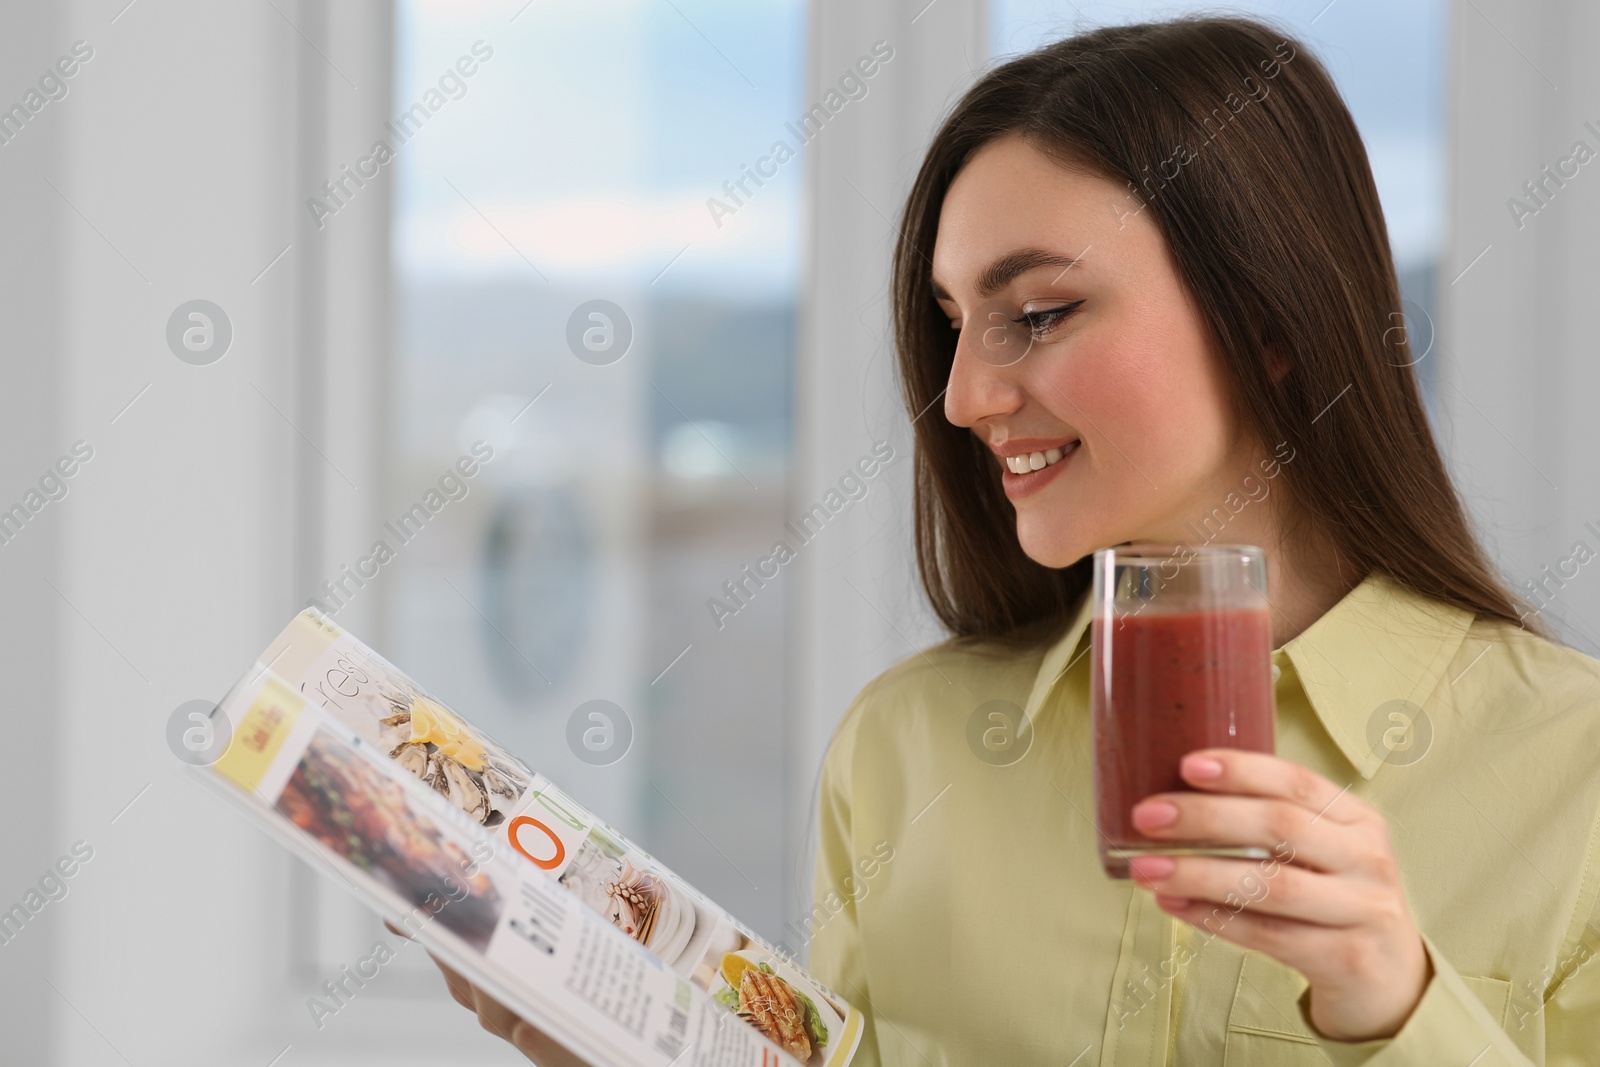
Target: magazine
503,876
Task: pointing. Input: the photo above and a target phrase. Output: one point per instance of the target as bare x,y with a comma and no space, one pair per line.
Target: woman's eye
1040,323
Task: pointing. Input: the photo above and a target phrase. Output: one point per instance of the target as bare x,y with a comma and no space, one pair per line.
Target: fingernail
1154,814
1201,767
1172,903
1153,868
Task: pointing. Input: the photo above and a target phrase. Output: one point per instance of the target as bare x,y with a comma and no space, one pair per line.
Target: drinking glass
1181,660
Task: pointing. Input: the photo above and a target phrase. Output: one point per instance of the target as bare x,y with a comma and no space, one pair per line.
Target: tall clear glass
1181,660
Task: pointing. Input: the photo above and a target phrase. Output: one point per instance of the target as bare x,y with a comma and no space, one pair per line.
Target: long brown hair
1235,140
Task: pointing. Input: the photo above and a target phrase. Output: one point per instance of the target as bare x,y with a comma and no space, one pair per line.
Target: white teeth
1033,461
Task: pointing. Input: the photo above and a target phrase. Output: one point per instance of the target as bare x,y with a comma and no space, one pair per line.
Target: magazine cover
504,876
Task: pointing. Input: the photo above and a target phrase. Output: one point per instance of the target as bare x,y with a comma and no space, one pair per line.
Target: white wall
31,432
167,557
1518,335
177,167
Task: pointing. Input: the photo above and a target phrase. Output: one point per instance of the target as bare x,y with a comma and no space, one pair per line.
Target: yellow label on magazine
258,738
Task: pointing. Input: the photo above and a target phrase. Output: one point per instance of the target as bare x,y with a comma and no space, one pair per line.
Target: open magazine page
543,830
443,879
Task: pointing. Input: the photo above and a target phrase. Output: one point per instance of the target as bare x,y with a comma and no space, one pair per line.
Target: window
602,152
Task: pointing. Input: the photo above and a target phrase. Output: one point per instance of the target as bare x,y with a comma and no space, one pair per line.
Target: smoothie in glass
1181,661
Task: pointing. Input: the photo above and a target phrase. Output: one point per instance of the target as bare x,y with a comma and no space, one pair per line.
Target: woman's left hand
1330,904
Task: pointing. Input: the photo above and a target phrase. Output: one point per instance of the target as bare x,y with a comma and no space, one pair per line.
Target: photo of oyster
463,789
427,740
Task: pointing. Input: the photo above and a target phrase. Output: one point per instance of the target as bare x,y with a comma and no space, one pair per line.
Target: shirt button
1277,672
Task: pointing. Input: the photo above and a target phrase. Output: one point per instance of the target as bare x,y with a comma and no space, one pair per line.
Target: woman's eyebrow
997,275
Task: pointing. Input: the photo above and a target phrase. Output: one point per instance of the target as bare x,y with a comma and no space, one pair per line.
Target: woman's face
1079,341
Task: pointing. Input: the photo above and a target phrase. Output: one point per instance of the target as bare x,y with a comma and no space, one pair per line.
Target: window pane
603,151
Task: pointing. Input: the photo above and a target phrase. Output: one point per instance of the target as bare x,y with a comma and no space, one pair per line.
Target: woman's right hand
500,1020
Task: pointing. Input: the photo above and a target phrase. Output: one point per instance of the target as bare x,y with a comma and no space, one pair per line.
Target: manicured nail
1171,903
1154,814
1151,868
1201,767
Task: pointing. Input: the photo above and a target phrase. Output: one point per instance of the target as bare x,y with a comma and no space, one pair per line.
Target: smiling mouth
1037,461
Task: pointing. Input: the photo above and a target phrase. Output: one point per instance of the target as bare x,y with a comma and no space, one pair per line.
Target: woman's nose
978,388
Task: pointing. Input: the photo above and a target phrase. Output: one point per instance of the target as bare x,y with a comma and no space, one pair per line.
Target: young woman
1147,273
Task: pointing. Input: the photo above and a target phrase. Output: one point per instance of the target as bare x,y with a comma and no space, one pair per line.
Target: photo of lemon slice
430,722
733,966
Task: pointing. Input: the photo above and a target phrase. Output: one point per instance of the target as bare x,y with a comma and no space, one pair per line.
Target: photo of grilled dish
767,1003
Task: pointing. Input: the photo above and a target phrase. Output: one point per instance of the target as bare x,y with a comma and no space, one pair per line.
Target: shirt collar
1382,642
1063,654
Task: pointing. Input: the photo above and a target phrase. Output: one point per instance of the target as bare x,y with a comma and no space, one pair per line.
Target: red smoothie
1178,681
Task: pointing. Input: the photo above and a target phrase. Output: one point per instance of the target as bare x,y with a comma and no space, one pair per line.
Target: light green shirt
991,935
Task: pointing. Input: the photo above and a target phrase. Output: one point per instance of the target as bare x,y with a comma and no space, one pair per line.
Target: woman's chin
1050,547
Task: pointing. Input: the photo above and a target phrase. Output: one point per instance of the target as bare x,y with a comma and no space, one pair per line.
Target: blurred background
373,314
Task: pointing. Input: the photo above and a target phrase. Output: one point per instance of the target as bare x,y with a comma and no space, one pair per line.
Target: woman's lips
1035,478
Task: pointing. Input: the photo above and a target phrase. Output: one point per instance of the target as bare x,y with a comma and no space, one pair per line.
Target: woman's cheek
1105,393
1152,431
1159,401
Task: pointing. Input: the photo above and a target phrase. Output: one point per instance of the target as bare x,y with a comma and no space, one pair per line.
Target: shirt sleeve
1450,1025
834,925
